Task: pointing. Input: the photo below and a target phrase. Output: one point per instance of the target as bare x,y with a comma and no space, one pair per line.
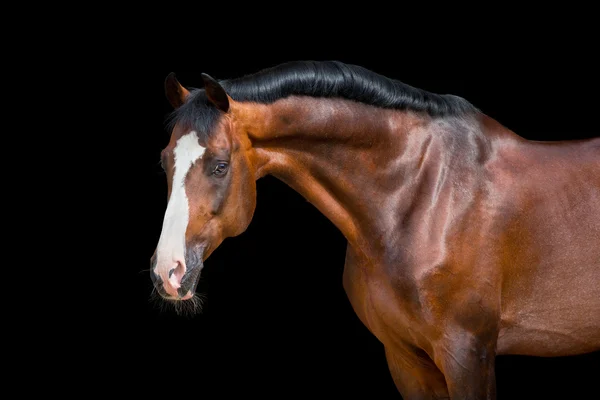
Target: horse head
211,186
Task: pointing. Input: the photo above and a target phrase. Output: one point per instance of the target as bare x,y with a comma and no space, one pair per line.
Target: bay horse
465,240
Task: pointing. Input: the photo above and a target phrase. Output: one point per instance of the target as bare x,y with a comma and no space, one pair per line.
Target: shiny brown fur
464,240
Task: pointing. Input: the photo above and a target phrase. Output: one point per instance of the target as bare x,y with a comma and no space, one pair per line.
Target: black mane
319,79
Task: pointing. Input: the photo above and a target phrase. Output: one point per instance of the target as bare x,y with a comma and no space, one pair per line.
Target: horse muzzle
177,280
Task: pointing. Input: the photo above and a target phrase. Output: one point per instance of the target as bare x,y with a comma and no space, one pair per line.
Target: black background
276,321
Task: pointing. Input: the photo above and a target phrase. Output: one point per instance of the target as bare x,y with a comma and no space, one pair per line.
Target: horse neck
351,160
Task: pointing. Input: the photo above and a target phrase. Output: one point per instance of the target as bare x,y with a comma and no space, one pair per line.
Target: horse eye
220,168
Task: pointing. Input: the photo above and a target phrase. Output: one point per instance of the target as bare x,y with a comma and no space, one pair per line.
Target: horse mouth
187,288
187,302
189,282
182,288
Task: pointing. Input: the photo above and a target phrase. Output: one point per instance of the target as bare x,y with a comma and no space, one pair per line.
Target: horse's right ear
174,91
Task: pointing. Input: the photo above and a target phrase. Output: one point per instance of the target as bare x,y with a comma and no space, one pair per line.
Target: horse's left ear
215,93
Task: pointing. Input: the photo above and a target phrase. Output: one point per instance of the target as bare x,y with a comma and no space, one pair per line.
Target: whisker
185,308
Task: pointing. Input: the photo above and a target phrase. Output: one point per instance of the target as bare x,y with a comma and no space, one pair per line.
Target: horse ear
174,91
215,93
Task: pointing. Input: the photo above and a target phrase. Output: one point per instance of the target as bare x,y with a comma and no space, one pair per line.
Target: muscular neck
348,159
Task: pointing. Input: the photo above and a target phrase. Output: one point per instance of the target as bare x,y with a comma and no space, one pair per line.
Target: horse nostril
176,274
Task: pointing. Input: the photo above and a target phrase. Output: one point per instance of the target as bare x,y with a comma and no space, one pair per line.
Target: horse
464,240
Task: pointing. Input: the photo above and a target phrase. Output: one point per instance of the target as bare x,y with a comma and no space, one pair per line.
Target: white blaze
171,245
